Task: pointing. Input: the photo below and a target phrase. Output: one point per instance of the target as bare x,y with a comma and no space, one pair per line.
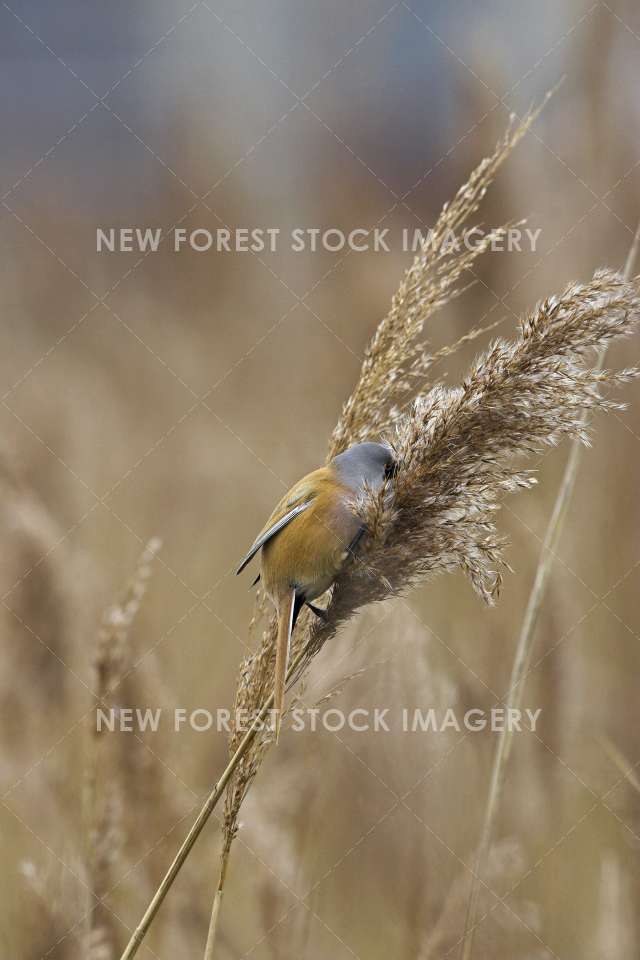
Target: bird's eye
391,470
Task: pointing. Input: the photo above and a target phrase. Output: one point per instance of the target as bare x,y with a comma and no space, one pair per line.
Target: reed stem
207,809
217,901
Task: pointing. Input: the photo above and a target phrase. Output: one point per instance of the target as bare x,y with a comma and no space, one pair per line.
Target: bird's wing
272,529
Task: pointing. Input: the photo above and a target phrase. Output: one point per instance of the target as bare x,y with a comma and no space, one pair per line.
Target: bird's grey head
369,463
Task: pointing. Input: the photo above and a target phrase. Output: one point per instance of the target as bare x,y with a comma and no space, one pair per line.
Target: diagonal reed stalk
522,657
205,812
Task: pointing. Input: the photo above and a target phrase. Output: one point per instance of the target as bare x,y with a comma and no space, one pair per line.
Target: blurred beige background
178,395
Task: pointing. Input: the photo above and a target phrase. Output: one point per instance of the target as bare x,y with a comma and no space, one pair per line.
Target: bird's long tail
283,643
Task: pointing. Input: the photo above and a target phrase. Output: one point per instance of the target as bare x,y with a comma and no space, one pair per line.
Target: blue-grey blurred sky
398,98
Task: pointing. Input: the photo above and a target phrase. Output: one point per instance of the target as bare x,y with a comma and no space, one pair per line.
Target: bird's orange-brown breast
309,552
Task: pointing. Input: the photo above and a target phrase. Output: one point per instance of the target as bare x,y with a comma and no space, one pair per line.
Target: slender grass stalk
207,809
217,900
523,650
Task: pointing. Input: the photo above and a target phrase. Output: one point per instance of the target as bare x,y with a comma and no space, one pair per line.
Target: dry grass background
106,444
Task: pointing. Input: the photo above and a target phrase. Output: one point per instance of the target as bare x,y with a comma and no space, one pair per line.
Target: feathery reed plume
396,362
457,452
525,643
102,796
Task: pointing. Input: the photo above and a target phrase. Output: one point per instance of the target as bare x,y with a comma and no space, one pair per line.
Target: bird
308,538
